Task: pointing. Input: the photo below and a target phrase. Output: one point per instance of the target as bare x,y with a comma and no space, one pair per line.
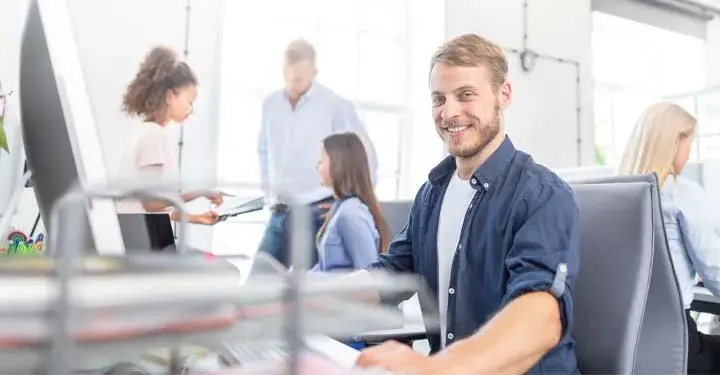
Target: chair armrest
706,303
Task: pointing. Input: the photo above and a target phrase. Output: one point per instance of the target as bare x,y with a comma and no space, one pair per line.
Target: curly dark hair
159,72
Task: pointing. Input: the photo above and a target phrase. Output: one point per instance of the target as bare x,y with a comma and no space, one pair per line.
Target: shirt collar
486,174
306,95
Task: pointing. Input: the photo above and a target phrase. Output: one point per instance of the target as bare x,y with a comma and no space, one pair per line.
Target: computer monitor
59,130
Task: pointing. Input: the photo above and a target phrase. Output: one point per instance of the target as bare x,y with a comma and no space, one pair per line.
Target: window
363,54
367,51
634,66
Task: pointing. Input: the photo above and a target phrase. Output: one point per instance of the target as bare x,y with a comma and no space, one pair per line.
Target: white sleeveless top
153,145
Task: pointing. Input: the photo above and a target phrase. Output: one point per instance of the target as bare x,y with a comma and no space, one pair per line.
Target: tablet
253,205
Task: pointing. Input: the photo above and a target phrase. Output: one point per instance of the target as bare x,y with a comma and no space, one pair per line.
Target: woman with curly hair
162,92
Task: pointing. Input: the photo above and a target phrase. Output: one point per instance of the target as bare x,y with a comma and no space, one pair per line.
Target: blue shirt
520,234
690,229
351,239
290,141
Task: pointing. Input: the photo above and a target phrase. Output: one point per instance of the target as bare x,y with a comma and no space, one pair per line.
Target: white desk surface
340,353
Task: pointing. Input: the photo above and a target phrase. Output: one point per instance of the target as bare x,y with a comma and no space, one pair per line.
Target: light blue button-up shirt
351,239
291,139
691,234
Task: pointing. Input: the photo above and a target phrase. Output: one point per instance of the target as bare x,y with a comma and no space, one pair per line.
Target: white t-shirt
455,203
150,144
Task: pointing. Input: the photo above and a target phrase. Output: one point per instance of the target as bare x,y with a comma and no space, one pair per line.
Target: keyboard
254,351
333,357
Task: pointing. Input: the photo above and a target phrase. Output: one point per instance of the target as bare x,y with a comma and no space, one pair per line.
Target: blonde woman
661,143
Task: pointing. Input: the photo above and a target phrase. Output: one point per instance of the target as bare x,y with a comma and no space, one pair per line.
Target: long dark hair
159,72
350,176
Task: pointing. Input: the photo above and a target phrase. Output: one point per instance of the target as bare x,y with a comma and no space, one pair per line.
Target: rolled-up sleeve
545,252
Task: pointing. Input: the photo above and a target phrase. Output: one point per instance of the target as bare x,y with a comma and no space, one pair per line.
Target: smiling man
492,232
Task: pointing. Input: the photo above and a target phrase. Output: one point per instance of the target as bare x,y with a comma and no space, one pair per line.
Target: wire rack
66,241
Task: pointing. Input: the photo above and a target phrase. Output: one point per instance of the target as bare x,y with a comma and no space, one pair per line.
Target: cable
35,225
181,141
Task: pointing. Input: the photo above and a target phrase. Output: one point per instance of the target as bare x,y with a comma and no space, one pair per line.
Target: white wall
541,120
113,37
712,65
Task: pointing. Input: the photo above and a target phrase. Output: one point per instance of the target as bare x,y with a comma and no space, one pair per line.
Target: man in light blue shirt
295,120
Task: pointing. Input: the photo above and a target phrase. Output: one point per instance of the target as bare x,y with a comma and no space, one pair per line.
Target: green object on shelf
3,106
3,138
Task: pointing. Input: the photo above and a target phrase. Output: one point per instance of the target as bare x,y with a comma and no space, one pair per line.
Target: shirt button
563,268
451,291
473,181
450,336
486,185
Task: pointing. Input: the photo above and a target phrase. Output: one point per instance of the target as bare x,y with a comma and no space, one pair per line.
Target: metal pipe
186,53
67,210
524,52
525,25
300,229
578,95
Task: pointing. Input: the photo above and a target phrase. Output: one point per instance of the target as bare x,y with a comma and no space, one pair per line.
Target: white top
150,144
692,237
457,199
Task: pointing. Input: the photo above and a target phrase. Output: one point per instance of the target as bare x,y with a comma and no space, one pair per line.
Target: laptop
147,231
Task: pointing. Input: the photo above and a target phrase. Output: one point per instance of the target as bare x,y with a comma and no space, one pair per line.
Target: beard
480,134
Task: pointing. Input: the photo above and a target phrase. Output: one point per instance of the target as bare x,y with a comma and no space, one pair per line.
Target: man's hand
207,218
397,358
324,208
215,197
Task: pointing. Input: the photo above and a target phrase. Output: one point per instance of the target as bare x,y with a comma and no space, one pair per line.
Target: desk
336,351
705,302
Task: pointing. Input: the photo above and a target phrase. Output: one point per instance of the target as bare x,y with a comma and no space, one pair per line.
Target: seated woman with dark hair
354,232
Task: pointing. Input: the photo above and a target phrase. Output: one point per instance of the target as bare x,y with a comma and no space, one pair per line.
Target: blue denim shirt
520,234
692,238
350,240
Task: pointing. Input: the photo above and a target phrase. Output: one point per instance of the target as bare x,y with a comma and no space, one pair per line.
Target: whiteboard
542,117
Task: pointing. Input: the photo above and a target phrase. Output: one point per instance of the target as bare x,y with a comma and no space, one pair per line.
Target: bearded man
493,233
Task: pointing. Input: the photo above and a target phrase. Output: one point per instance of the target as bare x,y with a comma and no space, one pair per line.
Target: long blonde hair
653,145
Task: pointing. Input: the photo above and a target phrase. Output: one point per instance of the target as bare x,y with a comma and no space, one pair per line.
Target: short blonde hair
653,146
299,50
473,50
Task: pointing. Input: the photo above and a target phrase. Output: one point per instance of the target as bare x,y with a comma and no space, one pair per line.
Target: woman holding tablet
354,231
163,91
